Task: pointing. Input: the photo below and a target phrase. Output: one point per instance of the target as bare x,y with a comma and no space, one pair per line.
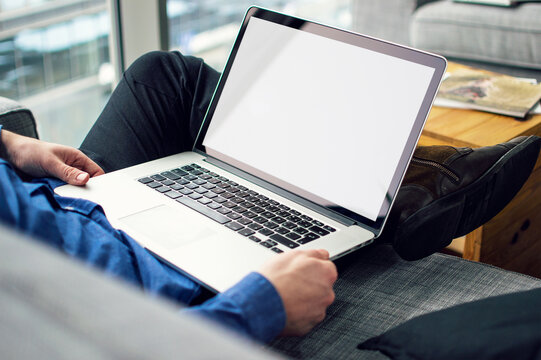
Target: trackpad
167,226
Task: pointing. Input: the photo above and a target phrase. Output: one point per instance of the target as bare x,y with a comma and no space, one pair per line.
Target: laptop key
214,205
328,228
260,219
234,226
217,190
246,232
317,223
244,221
223,210
307,238
318,230
239,209
195,196
300,230
210,195
182,182
233,216
284,241
185,191
247,205
250,215
282,231
170,175
266,244
187,168
176,187
162,189
271,225
254,238
158,177
255,226
179,172
293,236
278,219
304,224
145,180
266,232
276,250
173,194
289,225
204,201
202,209
154,184
294,218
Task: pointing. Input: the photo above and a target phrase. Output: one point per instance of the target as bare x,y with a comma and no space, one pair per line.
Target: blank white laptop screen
295,103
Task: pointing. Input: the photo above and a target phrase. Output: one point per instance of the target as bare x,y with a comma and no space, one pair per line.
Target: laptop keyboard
260,219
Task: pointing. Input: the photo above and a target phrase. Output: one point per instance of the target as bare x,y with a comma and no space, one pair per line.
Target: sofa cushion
504,36
500,327
16,118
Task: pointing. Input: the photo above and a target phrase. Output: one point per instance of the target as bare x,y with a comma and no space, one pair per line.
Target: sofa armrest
16,118
385,19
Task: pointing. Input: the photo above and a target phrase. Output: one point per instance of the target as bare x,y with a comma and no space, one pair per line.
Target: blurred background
62,58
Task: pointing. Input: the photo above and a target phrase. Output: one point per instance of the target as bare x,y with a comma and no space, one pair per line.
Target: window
208,28
53,50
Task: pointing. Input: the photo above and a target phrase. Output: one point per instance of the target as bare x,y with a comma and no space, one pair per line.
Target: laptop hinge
282,192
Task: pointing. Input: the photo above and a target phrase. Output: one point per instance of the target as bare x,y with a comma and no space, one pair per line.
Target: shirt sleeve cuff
252,307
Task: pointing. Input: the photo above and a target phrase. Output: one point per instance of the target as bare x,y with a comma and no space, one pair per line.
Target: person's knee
150,62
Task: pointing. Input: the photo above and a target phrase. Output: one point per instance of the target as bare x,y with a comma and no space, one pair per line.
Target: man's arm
41,159
289,296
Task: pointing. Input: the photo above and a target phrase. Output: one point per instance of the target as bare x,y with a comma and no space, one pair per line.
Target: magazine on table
496,2
491,92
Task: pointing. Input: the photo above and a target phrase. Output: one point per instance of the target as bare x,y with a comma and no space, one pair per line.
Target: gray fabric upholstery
377,291
53,307
508,36
385,19
16,118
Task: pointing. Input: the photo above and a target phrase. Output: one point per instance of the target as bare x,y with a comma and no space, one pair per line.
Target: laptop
304,145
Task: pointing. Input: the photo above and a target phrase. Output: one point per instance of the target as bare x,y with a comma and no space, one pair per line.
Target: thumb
71,175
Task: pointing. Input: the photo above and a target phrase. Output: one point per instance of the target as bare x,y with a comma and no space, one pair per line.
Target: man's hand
38,158
304,279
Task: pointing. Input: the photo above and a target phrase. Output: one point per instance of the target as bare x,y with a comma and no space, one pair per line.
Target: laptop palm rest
155,223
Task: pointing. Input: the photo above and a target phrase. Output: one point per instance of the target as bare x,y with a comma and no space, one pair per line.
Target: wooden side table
512,239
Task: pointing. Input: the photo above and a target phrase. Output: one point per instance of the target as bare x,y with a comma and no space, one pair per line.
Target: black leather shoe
448,192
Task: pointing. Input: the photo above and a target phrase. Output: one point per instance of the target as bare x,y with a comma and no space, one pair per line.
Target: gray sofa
506,40
376,291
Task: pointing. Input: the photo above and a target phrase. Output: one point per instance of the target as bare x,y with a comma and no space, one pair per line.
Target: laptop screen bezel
436,62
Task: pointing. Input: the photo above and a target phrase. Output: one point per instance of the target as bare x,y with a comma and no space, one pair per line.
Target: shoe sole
433,227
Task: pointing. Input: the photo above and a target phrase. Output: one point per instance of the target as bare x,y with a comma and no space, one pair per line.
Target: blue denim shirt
80,229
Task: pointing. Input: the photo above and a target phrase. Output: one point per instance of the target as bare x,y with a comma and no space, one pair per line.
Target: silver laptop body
304,145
